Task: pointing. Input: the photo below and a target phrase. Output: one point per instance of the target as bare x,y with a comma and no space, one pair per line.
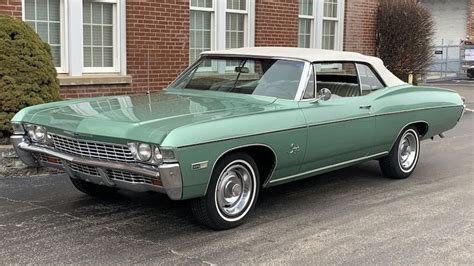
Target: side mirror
323,95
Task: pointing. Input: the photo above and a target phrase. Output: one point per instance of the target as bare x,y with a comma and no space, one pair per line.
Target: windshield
268,77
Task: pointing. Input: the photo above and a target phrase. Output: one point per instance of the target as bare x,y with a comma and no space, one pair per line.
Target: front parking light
18,128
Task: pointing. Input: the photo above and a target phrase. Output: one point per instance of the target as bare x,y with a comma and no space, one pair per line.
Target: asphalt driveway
352,216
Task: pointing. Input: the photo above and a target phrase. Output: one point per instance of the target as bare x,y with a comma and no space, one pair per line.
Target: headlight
40,133
144,151
149,153
36,133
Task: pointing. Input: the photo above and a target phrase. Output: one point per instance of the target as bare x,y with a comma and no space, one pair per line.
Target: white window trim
116,41
317,24
218,22
63,5
212,10
71,22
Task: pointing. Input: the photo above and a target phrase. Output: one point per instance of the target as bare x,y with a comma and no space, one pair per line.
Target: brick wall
276,23
10,8
359,26
159,29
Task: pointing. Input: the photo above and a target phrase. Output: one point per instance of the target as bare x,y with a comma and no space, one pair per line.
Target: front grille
92,149
112,174
128,177
83,169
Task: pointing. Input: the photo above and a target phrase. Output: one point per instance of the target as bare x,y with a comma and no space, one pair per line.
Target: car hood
145,117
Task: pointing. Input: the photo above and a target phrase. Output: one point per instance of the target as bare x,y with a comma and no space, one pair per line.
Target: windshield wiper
238,75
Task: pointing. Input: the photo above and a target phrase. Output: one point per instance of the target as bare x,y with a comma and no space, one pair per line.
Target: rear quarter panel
394,108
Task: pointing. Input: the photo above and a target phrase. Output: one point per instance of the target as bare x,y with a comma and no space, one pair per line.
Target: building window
306,23
330,20
218,24
236,15
98,36
200,27
45,17
95,32
320,24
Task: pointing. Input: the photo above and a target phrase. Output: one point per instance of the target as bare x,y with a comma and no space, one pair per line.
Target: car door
342,128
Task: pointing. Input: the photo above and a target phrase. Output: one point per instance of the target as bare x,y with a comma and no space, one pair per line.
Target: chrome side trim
339,120
239,147
310,125
242,136
329,167
418,109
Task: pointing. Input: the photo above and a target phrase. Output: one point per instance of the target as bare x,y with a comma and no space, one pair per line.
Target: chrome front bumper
169,173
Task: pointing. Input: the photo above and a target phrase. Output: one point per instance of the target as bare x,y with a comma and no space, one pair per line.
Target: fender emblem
294,148
199,165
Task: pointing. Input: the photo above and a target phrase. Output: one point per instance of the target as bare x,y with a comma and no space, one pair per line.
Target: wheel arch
421,126
260,153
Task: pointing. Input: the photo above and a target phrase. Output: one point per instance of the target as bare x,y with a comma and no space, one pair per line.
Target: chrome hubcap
407,150
234,189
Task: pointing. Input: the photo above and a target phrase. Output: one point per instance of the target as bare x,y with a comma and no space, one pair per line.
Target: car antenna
148,72
148,79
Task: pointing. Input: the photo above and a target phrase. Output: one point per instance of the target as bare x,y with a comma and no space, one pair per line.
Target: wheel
231,195
92,189
402,159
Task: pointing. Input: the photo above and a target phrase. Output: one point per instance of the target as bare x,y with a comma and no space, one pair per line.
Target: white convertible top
313,55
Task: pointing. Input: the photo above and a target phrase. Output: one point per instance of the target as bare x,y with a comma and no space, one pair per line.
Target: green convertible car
237,121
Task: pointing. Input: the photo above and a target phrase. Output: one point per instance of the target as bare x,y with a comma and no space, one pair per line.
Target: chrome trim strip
96,163
239,147
418,109
339,120
303,81
329,167
311,125
242,136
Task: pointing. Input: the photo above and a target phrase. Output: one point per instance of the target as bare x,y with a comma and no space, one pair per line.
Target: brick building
105,47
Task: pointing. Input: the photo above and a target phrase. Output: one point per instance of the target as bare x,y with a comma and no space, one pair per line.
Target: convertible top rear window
267,77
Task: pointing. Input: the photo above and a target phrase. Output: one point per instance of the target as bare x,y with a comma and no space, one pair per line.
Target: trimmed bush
405,32
27,73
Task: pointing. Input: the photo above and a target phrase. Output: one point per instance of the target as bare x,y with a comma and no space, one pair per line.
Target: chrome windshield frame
301,86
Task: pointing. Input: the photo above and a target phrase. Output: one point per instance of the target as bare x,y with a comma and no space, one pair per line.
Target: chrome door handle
365,106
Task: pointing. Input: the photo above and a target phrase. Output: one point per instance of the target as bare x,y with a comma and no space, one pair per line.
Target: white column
251,23
74,29
319,5
123,38
220,23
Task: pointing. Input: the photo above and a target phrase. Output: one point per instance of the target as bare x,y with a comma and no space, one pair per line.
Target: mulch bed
11,166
